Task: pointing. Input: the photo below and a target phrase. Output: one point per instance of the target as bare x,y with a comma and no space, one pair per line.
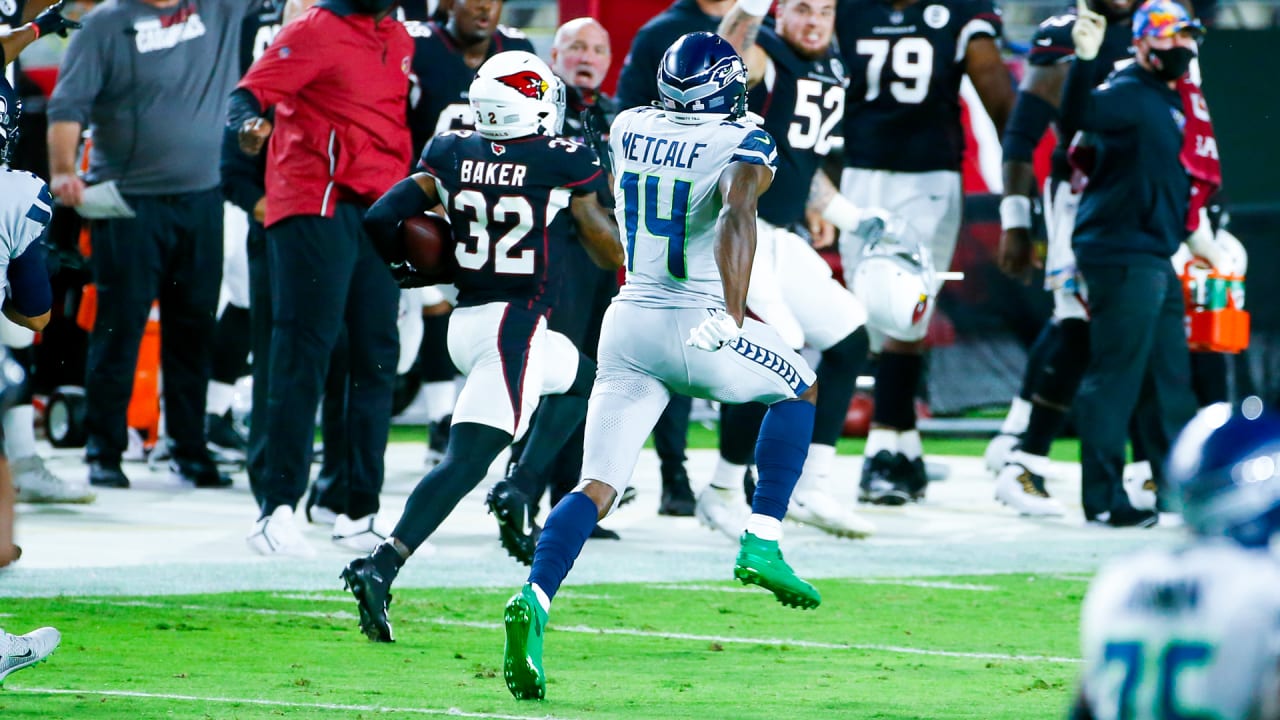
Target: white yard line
447,712
628,632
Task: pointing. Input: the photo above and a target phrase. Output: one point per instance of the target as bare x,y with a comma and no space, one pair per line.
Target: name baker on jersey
480,172
660,151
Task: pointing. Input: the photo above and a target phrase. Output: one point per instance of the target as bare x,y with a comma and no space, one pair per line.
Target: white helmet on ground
514,95
896,281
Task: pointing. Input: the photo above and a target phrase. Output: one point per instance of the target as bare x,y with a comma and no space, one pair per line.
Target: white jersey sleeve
667,193
1183,633
26,206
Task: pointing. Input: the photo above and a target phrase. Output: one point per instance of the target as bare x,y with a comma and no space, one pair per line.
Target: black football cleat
885,480
373,595
514,512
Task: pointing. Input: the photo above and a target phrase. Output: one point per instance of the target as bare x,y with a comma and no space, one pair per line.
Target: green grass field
990,647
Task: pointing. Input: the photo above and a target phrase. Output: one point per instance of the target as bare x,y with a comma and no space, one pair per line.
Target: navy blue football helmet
701,79
1225,470
10,113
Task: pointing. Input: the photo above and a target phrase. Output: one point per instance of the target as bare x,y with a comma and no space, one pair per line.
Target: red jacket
339,84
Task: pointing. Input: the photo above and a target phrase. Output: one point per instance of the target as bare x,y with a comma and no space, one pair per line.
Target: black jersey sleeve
981,18
1052,43
579,168
439,158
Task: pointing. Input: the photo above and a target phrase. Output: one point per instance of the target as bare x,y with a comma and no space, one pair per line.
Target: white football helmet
514,95
896,281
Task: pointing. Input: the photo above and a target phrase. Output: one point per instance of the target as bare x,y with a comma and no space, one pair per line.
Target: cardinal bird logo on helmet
527,83
922,306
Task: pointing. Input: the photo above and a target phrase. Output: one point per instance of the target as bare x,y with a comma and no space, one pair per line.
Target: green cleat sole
788,597
523,675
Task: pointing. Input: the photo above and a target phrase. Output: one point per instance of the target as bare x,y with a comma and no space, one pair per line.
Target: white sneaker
723,510
1140,485
1024,491
364,534
19,651
820,509
278,534
997,453
35,484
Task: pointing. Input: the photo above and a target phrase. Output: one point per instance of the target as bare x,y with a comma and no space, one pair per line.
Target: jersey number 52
812,127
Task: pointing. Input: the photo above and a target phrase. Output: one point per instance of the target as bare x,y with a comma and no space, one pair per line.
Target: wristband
755,8
842,213
35,29
1015,212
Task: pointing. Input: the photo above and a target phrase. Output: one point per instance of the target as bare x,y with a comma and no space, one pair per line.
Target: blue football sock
780,453
567,529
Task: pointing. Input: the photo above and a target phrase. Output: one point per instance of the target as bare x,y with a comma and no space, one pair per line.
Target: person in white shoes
20,651
797,85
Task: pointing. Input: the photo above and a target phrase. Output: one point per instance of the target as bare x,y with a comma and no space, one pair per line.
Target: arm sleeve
80,77
242,180
1031,117
637,83
1107,108
28,275
298,55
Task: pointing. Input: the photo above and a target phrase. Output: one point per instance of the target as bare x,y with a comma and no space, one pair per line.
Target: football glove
1088,31
52,21
715,332
408,276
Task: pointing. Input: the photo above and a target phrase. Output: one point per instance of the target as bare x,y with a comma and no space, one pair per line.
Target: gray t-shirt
152,84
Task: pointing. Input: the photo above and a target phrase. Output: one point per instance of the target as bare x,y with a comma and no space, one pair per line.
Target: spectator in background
337,79
637,84
156,135
1145,191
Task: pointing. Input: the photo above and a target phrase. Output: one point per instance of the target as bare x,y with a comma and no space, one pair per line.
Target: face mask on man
1169,64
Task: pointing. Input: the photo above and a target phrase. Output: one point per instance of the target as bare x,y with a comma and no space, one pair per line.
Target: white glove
1088,31
715,332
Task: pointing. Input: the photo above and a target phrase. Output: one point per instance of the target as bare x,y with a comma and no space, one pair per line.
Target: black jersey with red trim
905,67
441,78
1052,45
260,26
508,203
802,103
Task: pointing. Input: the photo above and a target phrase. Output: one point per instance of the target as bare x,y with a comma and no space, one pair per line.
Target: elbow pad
1030,118
382,221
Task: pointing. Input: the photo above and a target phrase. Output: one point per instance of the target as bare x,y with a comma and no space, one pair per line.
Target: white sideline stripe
628,632
935,584
448,712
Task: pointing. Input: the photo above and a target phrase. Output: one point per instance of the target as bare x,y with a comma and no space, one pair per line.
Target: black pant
171,250
260,347
325,274
1139,368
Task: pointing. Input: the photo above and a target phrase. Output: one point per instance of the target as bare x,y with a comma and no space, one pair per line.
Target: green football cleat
522,657
760,563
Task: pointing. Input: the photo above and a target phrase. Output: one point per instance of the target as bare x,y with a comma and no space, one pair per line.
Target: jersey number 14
672,227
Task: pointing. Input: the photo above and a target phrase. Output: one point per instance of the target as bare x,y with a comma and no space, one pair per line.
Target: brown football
428,245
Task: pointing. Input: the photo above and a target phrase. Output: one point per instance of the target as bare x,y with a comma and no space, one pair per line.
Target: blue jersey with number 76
667,196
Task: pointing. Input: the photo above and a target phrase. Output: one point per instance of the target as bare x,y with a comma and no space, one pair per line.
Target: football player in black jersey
445,57
512,191
798,87
906,61
1056,360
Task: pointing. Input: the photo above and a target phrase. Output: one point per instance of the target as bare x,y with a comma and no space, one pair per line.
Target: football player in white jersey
25,209
1194,631
688,175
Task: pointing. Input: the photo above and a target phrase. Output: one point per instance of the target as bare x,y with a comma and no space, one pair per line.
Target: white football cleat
35,484
817,508
278,534
998,450
363,534
722,509
1023,490
1140,485
19,651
